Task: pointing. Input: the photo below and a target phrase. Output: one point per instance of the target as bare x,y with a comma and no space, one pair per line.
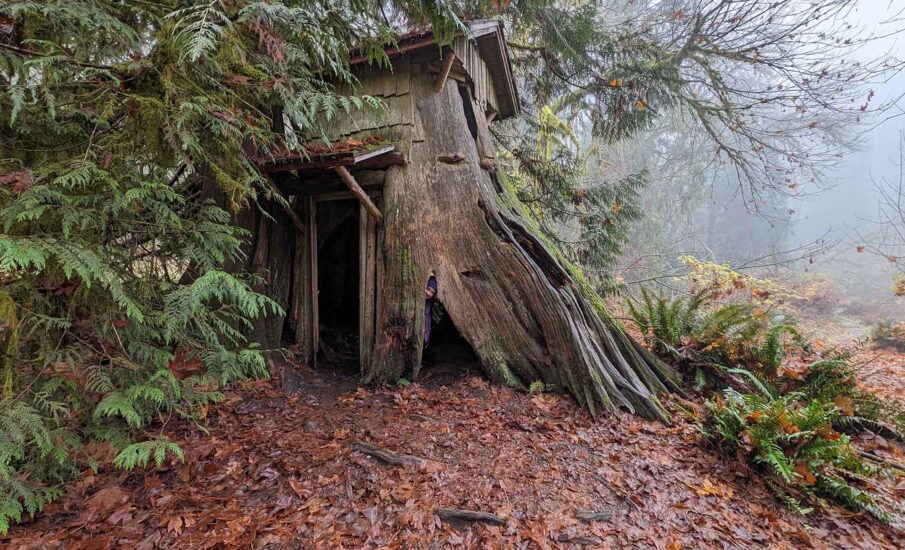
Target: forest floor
288,472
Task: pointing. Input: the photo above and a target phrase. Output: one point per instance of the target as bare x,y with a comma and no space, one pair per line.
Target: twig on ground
387,457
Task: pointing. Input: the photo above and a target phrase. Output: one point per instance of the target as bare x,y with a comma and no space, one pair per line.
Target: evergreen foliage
791,439
698,332
119,306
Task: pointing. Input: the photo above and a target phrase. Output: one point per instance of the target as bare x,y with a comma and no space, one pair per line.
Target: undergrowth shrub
791,440
102,333
888,334
794,430
696,332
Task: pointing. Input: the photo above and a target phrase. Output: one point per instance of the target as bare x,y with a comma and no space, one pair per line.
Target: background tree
768,94
120,304
886,237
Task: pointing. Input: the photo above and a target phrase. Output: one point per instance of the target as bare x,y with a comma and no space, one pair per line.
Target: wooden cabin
332,233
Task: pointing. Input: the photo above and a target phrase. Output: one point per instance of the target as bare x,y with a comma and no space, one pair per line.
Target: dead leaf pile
278,472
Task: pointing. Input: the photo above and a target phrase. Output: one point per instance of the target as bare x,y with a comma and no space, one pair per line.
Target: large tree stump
527,314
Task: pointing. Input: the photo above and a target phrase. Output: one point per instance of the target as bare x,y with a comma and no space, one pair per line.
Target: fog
697,203
849,204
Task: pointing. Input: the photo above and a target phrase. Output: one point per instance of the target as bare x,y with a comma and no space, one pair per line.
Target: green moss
405,259
495,364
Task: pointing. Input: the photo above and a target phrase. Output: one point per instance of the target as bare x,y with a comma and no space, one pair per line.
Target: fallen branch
453,514
387,457
881,460
583,541
587,516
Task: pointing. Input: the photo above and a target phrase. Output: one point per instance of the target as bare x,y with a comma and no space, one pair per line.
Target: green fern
17,497
140,454
790,438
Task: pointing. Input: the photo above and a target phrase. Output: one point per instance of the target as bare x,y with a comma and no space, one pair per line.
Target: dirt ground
288,472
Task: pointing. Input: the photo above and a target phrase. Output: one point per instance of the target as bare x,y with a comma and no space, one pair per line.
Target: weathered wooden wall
394,123
404,126
398,122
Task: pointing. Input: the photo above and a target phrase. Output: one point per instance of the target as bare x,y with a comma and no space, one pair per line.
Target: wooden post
444,71
315,314
367,279
359,193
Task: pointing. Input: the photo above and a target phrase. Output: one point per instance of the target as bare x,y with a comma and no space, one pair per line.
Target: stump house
325,257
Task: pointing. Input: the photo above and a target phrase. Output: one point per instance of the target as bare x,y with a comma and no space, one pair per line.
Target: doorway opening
338,281
448,357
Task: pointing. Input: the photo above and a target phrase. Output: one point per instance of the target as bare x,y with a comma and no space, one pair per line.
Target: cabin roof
489,38
370,152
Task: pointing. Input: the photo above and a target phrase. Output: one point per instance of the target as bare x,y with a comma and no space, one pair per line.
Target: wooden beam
397,50
359,193
312,279
444,71
285,204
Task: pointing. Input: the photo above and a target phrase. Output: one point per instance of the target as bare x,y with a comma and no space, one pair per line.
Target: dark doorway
448,357
338,283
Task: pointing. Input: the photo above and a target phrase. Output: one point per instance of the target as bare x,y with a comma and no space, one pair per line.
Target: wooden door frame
367,276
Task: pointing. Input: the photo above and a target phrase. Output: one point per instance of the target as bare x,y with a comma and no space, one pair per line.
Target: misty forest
452,274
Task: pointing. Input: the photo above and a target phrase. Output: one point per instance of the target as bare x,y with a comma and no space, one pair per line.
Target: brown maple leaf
182,367
802,469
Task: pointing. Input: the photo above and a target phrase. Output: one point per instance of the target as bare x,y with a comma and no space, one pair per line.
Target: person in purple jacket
430,296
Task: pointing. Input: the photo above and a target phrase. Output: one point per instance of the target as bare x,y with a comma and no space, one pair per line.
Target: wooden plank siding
395,122
481,62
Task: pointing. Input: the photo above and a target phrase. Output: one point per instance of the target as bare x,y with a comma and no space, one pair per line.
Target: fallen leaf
174,524
802,469
708,487
845,404
182,367
101,503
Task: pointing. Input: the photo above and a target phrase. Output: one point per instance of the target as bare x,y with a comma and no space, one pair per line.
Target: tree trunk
528,315
268,252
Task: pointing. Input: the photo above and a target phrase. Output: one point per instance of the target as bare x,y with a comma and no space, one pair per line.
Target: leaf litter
289,472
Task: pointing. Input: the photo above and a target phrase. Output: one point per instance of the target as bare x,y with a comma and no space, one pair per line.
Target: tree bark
528,315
